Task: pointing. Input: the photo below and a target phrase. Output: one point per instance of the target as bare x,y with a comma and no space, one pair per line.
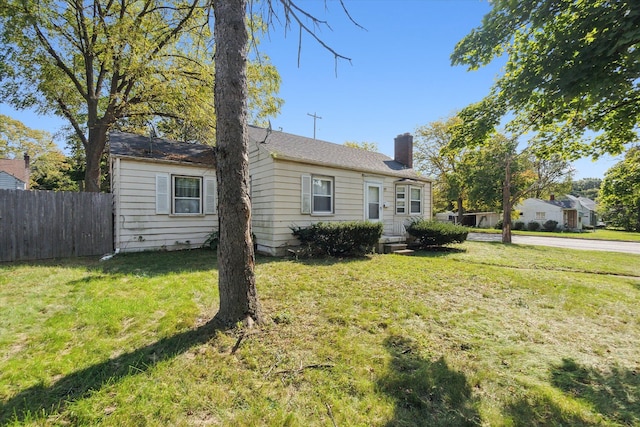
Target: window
540,215
317,195
401,197
411,196
185,195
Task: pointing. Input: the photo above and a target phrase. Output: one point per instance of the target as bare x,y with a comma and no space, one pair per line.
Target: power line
315,117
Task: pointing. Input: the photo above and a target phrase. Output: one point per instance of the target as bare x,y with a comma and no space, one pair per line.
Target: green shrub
498,225
340,239
212,241
518,225
533,226
550,225
433,233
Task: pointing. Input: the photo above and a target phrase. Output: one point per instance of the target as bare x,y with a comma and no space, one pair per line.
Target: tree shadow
43,400
426,392
615,394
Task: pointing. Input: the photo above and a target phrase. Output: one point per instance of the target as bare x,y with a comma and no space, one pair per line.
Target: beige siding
138,227
278,206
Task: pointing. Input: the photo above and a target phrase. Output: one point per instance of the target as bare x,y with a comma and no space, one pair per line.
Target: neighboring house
481,219
294,181
572,213
14,174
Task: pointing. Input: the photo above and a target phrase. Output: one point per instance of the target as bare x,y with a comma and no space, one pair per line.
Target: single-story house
571,213
481,219
165,191
14,174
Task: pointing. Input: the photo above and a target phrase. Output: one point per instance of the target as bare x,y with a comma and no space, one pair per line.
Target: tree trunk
236,278
93,152
460,211
506,202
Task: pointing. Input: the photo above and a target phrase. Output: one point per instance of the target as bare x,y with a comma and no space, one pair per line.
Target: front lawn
484,335
599,234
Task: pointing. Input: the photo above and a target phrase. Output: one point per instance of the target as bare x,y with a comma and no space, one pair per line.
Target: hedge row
339,239
433,233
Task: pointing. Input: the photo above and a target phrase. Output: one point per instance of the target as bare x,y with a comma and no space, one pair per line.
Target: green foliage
533,226
572,71
434,233
518,225
339,239
586,187
121,65
364,145
620,193
212,241
550,225
499,225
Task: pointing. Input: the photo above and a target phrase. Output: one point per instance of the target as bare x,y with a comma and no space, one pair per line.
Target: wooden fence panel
46,224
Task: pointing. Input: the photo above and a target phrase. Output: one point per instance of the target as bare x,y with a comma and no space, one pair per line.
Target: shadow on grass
614,394
427,393
42,401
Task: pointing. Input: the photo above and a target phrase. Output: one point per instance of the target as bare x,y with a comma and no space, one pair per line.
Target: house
165,191
14,173
481,219
571,213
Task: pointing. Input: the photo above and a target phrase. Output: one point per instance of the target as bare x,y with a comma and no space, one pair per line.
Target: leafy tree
586,187
572,74
435,156
620,192
52,171
363,145
16,139
107,64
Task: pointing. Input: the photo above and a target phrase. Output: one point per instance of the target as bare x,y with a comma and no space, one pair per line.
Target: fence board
46,224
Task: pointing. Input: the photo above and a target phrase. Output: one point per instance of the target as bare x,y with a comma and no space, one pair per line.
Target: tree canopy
620,192
126,63
572,74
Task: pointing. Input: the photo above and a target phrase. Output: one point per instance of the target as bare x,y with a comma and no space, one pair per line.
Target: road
561,242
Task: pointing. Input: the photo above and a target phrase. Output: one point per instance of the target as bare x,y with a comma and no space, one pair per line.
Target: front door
373,202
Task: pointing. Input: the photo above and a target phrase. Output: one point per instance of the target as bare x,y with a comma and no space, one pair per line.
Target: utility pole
315,117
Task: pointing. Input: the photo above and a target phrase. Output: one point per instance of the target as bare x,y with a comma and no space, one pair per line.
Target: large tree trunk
460,211
506,202
236,278
93,151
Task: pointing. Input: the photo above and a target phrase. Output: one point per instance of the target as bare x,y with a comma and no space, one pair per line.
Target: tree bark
93,153
506,202
460,211
236,278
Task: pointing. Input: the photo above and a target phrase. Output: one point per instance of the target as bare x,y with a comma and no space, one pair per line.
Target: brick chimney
404,150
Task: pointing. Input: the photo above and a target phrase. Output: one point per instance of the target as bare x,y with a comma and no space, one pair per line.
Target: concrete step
404,252
392,247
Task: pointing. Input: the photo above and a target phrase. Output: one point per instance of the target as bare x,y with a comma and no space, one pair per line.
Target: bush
341,239
212,241
550,225
518,225
432,233
533,226
498,225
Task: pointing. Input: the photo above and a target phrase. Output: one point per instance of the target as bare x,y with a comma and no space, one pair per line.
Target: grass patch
598,234
488,335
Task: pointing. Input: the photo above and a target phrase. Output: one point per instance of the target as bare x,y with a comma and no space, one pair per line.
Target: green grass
599,234
484,335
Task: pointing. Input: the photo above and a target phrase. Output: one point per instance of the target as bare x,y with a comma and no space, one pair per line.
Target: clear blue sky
399,78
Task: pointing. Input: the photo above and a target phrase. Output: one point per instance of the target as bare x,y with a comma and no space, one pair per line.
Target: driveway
562,242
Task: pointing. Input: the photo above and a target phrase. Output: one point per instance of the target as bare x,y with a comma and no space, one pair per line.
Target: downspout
115,188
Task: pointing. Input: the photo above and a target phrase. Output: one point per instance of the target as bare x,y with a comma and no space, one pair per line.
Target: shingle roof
130,145
299,148
15,168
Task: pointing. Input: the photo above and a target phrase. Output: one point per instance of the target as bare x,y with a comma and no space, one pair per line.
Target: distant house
165,191
572,213
14,174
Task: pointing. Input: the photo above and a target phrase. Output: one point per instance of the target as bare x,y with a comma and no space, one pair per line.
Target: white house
164,190
570,213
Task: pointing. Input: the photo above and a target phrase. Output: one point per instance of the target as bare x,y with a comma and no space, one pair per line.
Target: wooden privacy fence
46,224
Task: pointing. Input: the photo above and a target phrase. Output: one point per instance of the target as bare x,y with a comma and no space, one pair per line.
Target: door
373,202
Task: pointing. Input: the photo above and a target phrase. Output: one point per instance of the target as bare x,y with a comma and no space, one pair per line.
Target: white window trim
411,199
404,200
173,196
407,208
307,196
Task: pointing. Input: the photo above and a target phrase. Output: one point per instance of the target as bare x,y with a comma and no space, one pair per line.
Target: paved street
560,242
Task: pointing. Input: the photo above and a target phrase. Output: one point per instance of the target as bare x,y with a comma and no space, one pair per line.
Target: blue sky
399,77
